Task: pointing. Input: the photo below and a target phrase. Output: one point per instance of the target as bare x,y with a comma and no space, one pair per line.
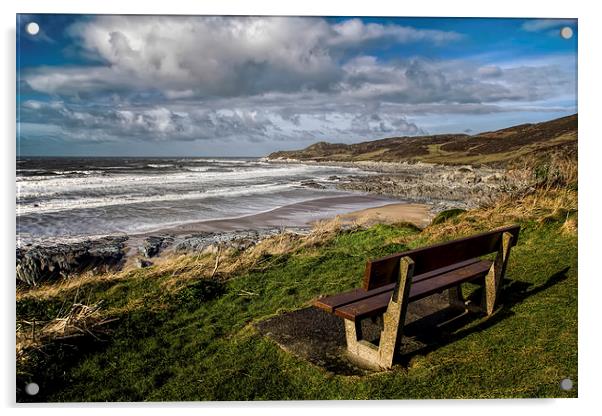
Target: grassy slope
191,345
500,147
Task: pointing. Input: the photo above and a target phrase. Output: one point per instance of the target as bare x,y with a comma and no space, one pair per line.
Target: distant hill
495,148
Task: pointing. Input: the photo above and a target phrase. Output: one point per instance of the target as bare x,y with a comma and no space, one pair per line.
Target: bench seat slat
375,304
330,303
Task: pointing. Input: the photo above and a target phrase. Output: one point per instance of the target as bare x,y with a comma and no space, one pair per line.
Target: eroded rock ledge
38,263
45,263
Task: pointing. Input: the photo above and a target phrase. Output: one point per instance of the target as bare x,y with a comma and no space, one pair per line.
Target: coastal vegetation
184,328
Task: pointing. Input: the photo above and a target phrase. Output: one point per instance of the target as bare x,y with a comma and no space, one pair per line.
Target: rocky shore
46,263
443,186
39,263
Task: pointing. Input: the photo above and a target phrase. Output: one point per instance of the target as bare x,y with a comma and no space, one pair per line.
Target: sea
60,199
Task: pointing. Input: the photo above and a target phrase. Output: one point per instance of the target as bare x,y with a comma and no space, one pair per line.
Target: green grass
446,215
198,344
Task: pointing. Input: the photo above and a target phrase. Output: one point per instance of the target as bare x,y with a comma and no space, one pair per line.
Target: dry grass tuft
322,231
48,290
570,227
552,170
226,262
540,205
80,320
261,255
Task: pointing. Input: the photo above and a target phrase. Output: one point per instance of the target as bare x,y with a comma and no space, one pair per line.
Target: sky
111,85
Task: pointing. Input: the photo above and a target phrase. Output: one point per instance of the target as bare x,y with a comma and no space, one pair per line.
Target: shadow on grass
319,337
450,325
48,364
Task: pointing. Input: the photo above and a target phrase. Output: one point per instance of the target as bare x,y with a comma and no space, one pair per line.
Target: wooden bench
391,282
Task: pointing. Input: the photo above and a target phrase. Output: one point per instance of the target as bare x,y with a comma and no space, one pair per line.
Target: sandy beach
362,209
417,214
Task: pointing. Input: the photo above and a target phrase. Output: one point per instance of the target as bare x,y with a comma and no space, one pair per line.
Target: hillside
494,148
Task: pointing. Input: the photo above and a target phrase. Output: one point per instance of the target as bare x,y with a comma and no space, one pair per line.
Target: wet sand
363,209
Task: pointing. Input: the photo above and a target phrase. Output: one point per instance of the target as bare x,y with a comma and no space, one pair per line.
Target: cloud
490,71
225,56
355,33
420,81
147,123
538,25
380,125
189,122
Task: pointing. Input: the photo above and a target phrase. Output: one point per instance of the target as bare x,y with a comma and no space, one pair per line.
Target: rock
237,240
47,263
312,184
154,244
194,243
463,187
142,263
495,178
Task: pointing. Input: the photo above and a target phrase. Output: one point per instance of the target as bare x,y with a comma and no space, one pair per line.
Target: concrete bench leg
493,280
455,297
393,320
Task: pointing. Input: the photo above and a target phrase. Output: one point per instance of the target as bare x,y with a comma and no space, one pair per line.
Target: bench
391,282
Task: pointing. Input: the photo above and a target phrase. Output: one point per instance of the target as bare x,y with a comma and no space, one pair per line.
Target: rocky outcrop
312,184
447,186
36,264
154,244
141,263
238,240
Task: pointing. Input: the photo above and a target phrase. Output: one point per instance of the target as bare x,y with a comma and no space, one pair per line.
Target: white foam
52,186
159,166
59,204
228,161
73,172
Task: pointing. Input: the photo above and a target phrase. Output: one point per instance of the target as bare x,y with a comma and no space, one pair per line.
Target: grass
446,215
183,328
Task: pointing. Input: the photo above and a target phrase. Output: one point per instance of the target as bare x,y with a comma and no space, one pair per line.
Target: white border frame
590,151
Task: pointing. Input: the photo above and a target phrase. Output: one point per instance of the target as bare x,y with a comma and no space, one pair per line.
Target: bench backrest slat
383,271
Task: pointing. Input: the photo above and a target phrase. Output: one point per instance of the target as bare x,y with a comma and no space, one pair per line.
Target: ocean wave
226,161
58,205
159,166
48,187
74,172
